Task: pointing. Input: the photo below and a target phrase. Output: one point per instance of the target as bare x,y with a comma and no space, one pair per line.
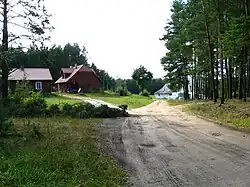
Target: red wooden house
80,78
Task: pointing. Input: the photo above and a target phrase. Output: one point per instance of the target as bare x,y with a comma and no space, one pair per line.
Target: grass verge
172,102
133,101
57,99
66,155
233,114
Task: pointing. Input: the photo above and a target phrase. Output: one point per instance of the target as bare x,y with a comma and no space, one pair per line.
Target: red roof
80,68
67,70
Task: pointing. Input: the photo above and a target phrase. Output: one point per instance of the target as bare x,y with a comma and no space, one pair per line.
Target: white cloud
119,34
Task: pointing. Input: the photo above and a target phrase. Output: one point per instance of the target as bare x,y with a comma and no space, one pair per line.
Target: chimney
22,68
75,66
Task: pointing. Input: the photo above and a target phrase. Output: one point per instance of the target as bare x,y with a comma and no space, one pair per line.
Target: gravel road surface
163,146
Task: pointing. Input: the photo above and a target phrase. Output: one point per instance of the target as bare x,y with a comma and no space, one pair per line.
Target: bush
22,91
145,93
35,105
53,110
66,109
78,110
123,107
104,111
122,91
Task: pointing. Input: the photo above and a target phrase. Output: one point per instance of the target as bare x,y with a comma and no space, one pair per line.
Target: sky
119,35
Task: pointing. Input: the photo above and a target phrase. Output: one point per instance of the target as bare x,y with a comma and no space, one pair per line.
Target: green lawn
235,114
172,102
133,101
56,99
67,154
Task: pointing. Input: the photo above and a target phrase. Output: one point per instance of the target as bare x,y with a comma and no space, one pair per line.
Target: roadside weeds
229,115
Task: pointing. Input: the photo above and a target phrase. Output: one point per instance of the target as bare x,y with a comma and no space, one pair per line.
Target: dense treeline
55,58
133,87
208,48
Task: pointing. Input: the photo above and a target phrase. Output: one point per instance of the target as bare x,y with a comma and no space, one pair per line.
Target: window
38,85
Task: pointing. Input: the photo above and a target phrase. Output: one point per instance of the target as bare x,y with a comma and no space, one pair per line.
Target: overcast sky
118,34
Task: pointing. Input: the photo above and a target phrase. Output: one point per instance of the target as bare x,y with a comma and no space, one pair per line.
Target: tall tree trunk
245,87
221,69
230,80
241,81
217,74
235,83
4,59
210,52
244,76
192,87
248,77
227,77
219,20
246,51
185,80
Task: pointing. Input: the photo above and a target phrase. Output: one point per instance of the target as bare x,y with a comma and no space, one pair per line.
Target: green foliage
123,107
122,91
234,114
104,111
23,89
35,105
107,82
55,58
53,110
202,38
66,109
32,18
145,93
142,76
6,124
134,88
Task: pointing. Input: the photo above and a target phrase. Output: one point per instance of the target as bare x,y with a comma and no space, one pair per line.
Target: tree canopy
25,20
207,44
142,76
55,58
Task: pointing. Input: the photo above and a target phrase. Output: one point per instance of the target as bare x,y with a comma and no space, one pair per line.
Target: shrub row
35,106
81,110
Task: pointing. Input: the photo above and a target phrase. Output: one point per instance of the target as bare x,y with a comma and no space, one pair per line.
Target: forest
55,58
208,49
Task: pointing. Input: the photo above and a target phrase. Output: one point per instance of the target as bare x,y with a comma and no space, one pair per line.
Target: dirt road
164,146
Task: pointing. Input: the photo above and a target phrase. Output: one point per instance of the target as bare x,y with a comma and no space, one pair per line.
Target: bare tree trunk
217,74
210,52
192,87
235,83
244,76
241,81
4,59
230,80
186,81
227,77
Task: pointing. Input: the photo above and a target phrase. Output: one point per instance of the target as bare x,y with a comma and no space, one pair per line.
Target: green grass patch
67,154
57,99
133,101
172,102
234,113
